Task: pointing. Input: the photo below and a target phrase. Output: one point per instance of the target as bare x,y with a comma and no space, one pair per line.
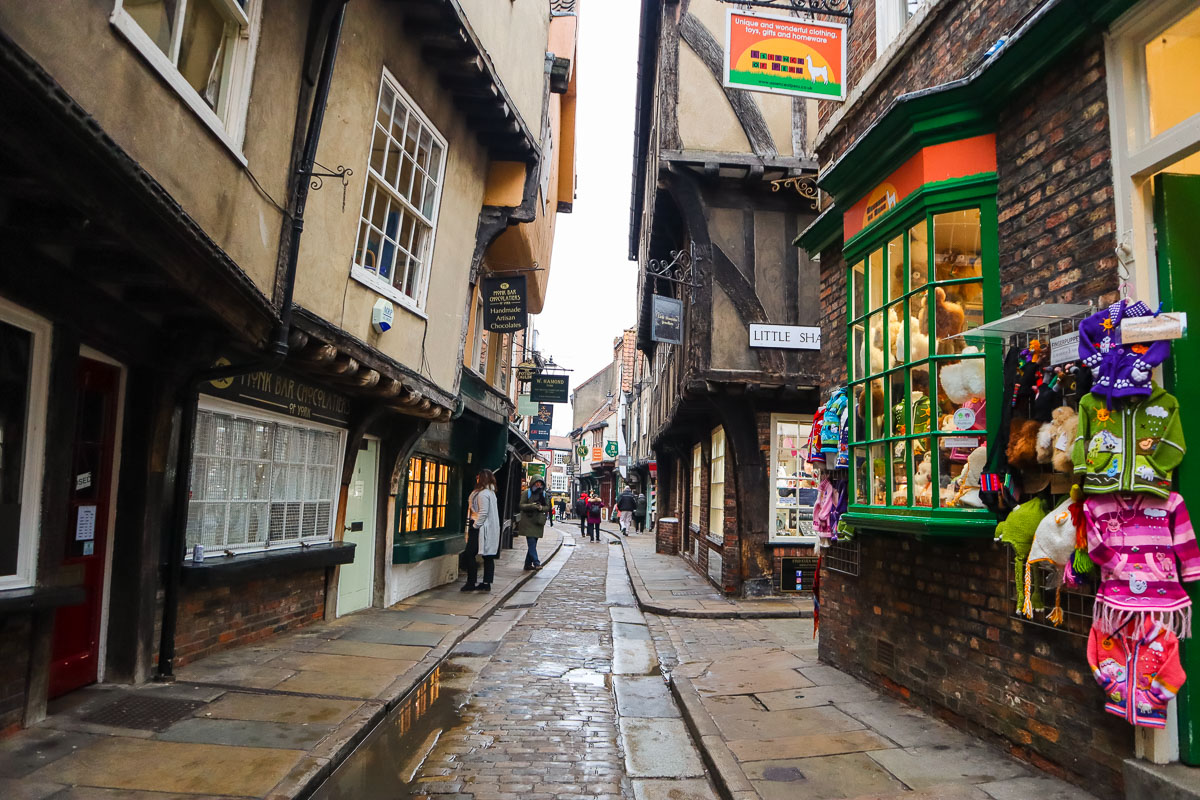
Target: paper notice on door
359,486
89,548
85,524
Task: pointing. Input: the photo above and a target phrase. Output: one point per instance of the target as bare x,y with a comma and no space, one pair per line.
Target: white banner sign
785,337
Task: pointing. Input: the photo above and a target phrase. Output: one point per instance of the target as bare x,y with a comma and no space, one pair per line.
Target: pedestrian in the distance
595,514
534,508
562,508
626,503
483,535
581,504
639,512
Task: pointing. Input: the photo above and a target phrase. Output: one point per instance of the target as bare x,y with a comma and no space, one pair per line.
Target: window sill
219,570
802,541
39,598
133,33
965,525
415,548
368,279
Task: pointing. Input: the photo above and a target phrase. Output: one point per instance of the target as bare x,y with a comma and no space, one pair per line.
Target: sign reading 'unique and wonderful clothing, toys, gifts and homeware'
783,55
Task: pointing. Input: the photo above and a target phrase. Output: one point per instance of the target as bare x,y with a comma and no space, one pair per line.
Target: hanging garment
1145,548
1135,448
1119,370
833,419
1139,673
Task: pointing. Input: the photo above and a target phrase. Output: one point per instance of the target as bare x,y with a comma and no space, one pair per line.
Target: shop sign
597,454
666,324
653,467
930,165
525,406
581,451
282,394
785,337
547,388
611,449
504,303
539,426
526,370
784,55
535,469
1064,349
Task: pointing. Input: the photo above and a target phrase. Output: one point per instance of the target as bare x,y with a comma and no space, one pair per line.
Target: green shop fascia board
824,231
968,106
947,525
411,549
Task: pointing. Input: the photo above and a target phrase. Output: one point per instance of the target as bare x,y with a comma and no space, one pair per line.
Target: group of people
536,508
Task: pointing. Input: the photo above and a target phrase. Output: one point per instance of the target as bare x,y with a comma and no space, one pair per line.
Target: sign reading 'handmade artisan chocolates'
666,324
504,303
547,388
784,55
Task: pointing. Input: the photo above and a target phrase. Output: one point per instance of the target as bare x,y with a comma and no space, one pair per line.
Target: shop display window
716,487
918,385
795,480
697,468
426,496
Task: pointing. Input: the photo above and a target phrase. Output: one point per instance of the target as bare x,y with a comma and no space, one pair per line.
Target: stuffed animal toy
922,488
918,341
950,319
1063,426
965,379
1053,543
1018,531
967,494
1045,442
1022,443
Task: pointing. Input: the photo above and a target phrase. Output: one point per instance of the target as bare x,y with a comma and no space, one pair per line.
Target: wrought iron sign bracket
832,8
805,186
680,268
316,179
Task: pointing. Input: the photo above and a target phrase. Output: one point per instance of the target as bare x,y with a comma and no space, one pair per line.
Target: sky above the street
590,298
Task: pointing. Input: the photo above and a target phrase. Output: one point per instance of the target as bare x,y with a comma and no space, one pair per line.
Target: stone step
1160,781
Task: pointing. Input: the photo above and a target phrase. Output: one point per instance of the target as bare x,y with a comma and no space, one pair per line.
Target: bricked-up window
914,287
426,496
400,200
257,482
697,474
716,486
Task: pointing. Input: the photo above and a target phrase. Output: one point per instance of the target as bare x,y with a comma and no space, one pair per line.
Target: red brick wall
221,617
944,607
667,537
15,633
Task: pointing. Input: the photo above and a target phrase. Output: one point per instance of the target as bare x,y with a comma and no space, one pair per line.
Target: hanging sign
1165,326
582,450
666,324
1064,349
611,449
504,303
547,388
526,370
597,455
784,55
539,426
785,337
535,469
525,406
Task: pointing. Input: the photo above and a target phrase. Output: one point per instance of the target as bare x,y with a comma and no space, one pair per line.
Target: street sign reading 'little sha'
504,309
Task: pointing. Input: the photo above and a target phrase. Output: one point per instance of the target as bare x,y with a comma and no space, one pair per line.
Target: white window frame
414,305
231,131
32,461
1135,156
716,505
220,406
804,424
695,508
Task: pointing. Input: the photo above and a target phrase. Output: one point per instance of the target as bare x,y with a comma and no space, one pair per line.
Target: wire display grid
844,556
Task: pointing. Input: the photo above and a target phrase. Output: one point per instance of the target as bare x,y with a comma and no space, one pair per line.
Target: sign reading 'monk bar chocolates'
504,303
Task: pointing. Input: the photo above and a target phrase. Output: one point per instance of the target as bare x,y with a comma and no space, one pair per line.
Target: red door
75,654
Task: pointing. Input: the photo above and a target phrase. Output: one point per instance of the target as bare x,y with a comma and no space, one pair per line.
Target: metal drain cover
143,712
690,592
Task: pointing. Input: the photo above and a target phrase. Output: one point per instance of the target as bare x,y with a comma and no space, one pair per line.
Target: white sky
590,298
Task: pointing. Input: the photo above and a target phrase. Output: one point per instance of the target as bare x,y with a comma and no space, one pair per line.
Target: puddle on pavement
588,677
385,763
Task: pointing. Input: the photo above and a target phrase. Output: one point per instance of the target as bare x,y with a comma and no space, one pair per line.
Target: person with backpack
595,514
581,512
626,503
534,508
639,513
483,535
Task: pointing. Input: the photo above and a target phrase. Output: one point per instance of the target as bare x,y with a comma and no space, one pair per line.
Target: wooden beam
387,387
319,352
344,366
297,339
365,379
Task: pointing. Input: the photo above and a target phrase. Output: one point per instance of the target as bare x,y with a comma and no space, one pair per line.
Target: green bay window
426,498
919,280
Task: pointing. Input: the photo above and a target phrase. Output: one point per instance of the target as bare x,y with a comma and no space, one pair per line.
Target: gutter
276,352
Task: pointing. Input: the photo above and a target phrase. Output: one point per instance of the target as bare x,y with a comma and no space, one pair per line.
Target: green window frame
939,247
427,496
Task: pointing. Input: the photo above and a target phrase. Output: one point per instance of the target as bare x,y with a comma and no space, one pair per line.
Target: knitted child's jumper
1139,672
1134,448
1145,547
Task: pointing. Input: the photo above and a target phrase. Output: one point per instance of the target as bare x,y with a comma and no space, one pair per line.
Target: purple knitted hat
1120,370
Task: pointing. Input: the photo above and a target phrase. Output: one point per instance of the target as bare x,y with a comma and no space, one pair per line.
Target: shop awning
522,444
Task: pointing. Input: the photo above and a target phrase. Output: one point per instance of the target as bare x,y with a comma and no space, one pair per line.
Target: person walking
626,503
581,504
483,535
562,508
534,508
639,512
595,514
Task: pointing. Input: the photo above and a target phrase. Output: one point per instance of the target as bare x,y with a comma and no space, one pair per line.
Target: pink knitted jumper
1136,539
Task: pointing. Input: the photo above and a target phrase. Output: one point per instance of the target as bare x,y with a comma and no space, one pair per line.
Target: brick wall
667,538
1055,192
944,608
15,631
221,617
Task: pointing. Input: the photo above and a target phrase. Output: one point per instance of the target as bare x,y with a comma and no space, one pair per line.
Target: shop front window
795,489
426,497
258,483
697,467
917,384
716,487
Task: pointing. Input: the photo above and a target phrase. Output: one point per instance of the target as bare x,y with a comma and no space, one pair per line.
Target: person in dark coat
534,507
626,503
581,512
595,514
639,512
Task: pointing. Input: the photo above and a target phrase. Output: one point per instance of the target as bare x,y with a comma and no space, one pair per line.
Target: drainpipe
274,356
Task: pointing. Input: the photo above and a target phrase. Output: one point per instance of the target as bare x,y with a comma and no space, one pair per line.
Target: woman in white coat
483,536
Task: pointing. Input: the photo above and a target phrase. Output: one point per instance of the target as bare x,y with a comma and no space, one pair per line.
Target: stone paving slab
269,708
247,733
687,789
644,697
823,778
658,748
